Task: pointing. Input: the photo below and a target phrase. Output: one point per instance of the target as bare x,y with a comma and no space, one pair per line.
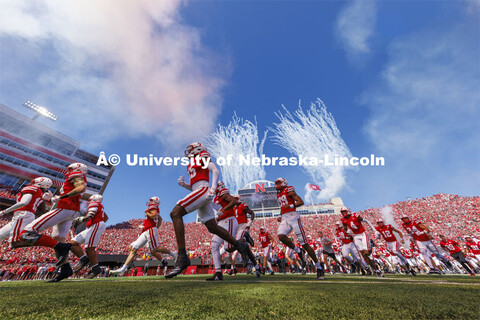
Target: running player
349,250
290,220
199,199
149,236
360,236
473,248
60,218
421,234
453,247
28,200
241,210
266,241
95,219
386,231
327,251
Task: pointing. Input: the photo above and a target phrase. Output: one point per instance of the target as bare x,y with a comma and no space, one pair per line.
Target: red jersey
473,247
313,244
99,216
240,212
32,206
149,223
283,198
219,200
354,223
343,236
413,230
264,239
196,172
451,245
387,233
71,203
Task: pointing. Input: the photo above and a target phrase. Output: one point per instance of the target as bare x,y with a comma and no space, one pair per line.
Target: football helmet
42,183
281,183
380,221
344,211
194,149
404,216
154,200
74,167
96,198
220,185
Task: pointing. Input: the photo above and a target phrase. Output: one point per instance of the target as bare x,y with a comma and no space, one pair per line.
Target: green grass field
245,297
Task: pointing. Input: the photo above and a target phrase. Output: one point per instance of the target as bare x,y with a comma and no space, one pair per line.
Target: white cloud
125,67
355,26
425,111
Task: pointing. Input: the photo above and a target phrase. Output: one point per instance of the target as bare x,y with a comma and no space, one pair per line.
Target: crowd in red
451,215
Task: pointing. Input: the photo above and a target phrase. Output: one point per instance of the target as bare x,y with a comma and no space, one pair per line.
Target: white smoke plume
388,218
125,67
239,137
314,133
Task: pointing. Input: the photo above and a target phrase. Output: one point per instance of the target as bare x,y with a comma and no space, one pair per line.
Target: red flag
314,187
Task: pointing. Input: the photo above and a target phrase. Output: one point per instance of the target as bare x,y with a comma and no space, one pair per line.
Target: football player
360,236
95,220
349,250
200,199
386,231
455,251
266,241
149,236
421,234
29,200
60,218
289,200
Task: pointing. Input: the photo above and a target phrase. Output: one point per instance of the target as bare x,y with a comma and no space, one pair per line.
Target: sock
46,241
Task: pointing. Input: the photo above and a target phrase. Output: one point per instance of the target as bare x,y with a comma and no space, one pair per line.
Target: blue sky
400,78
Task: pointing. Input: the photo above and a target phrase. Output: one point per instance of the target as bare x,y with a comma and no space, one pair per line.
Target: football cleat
119,272
301,254
229,272
82,263
64,272
248,238
257,271
242,247
413,272
218,276
181,264
94,272
62,249
320,274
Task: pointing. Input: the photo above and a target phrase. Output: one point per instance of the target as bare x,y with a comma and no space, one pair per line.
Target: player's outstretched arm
26,198
215,174
232,202
399,233
251,213
369,224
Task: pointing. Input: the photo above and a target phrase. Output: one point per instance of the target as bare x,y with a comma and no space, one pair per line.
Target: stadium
169,159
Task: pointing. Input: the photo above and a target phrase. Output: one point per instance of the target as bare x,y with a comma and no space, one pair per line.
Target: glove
211,194
54,199
47,196
80,219
181,180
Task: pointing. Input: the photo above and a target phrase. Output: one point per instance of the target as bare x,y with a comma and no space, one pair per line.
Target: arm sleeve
215,174
26,198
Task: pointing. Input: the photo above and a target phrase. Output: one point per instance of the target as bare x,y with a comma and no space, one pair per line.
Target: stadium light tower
41,111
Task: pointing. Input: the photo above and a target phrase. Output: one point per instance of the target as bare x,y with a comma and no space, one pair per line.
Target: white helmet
380,220
96,198
283,183
220,185
344,211
77,166
42,183
194,149
154,200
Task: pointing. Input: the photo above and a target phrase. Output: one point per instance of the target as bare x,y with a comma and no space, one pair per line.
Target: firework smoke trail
239,137
314,133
